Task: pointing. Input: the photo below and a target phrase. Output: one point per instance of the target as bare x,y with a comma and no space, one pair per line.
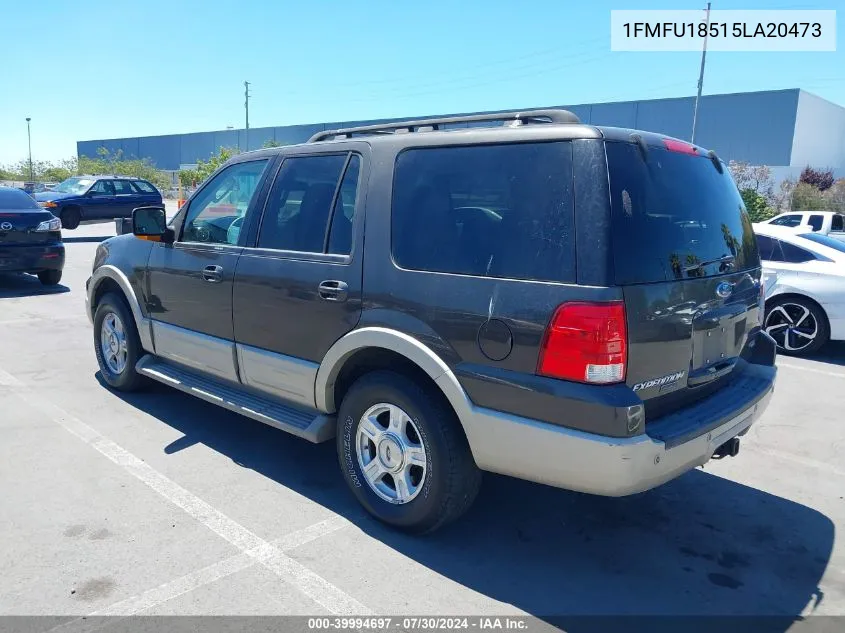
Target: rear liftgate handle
333,290
213,274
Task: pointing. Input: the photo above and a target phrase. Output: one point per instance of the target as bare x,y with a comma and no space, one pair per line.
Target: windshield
74,185
675,217
825,240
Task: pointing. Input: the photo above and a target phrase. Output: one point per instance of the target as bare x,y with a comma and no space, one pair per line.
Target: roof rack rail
512,118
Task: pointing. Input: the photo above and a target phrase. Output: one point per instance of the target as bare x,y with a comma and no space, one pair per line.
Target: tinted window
297,213
144,186
795,254
769,249
216,214
672,213
16,199
826,240
787,220
340,233
816,222
837,223
122,187
103,188
495,211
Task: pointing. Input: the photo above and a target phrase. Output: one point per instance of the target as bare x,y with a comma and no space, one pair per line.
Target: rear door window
816,222
491,210
837,223
300,204
675,216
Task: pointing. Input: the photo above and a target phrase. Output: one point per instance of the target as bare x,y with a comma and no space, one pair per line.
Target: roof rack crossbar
518,118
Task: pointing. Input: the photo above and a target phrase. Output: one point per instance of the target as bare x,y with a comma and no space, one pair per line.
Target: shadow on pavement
14,285
85,238
833,353
701,545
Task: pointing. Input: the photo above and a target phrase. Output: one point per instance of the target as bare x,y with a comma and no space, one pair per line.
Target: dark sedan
97,198
30,238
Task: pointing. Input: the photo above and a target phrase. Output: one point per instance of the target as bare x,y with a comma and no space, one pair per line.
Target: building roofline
336,124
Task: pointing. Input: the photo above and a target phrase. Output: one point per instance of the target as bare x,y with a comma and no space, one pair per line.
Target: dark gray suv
516,293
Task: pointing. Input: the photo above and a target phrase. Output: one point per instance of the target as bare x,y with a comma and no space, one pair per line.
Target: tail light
586,342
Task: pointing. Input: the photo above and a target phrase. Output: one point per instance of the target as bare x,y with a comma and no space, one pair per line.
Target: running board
309,425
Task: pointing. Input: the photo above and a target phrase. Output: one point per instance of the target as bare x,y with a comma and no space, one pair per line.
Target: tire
50,277
438,493
798,325
120,376
70,218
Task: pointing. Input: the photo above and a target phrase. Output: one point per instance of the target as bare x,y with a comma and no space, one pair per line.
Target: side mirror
150,223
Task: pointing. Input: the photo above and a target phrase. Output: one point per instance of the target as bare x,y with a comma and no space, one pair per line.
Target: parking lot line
812,369
270,556
207,575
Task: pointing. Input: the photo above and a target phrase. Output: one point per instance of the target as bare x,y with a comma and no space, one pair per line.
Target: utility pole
700,74
246,106
29,142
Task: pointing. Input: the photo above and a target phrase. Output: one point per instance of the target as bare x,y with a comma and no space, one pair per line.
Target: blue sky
93,69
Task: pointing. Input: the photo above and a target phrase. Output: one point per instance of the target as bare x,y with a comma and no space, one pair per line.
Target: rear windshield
16,199
675,217
826,240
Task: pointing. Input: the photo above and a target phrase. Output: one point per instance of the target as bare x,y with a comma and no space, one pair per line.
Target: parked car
806,308
30,238
97,198
569,304
824,222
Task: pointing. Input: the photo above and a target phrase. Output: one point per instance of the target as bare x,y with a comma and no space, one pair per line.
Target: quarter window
217,212
144,186
769,249
491,211
795,254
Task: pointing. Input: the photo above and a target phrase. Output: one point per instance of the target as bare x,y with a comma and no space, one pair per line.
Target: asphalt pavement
158,503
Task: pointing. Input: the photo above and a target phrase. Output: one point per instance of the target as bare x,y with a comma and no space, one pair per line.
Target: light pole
246,106
29,142
700,74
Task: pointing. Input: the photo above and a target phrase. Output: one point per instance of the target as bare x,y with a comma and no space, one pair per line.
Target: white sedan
806,307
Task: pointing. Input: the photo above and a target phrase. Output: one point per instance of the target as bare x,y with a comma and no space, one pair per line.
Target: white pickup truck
825,222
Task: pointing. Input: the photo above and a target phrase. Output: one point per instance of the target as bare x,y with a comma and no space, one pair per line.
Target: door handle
332,290
213,274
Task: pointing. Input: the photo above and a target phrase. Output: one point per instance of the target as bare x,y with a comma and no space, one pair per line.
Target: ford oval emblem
724,289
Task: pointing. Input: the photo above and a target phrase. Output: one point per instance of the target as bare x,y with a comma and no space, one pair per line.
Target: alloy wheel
113,343
391,453
792,325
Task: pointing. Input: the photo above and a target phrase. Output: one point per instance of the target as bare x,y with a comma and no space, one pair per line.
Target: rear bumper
602,465
32,257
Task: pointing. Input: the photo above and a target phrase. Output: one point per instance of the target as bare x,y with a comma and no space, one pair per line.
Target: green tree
114,163
757,206
807,197
271,143
194,177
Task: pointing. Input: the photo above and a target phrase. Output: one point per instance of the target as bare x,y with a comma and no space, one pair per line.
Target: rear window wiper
725,260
